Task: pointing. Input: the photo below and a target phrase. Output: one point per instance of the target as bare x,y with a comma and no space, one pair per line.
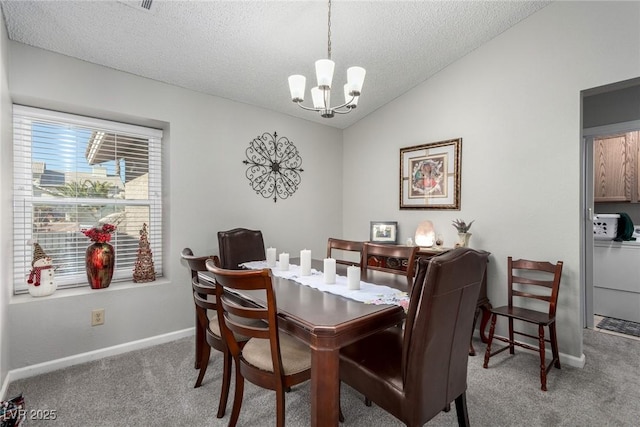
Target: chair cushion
296,356
214,326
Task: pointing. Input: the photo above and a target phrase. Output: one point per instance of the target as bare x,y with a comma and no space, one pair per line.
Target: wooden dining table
328,322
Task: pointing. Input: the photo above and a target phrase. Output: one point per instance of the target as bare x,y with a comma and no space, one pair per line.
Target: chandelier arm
308,108
342,111
345,104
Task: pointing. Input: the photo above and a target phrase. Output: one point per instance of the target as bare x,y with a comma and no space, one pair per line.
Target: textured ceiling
245,50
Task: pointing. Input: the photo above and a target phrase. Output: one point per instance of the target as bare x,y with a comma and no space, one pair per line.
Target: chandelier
321,94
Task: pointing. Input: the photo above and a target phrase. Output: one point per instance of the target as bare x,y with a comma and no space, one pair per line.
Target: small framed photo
384,232
430,175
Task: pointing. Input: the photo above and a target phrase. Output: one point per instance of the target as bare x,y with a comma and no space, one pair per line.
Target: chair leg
200,342
226,384
237,398
554,344
511,346
492,329
543,367
340,414
279,407
472,351
205,352
367,401
461,410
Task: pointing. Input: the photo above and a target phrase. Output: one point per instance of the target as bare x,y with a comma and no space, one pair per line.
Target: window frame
24,199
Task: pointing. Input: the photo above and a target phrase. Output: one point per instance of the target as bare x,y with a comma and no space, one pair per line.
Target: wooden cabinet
616,168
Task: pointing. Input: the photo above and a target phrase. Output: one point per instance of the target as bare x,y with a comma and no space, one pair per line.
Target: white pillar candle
305,262
329,270
284,261
271,257
353,277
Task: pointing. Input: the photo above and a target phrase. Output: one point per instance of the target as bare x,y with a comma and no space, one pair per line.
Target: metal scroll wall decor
274,166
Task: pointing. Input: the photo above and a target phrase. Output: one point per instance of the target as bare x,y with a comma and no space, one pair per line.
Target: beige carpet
154,387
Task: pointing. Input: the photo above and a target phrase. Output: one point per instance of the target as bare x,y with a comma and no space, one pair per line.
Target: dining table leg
325,386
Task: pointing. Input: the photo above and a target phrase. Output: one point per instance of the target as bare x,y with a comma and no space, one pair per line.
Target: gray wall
205,190
516,104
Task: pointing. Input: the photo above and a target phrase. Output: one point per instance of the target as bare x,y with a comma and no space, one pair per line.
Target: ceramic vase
463,239
100,259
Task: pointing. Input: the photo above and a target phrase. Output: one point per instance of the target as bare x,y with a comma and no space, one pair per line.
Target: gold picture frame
430,175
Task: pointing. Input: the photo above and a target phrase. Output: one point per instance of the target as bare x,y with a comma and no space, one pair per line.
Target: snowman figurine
40,280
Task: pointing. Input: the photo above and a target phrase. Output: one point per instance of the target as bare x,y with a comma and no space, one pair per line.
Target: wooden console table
483,306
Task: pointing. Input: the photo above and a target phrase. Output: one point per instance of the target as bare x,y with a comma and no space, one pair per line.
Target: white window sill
74,292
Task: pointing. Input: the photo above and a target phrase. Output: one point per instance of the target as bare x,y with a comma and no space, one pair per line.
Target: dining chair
531,282
416,373
269,359
394,259
240,245
197,264
207,326
201,295
345,248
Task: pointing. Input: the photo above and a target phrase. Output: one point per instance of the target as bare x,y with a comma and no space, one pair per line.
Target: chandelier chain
329,32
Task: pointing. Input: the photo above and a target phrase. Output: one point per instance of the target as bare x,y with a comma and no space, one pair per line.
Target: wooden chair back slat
344,245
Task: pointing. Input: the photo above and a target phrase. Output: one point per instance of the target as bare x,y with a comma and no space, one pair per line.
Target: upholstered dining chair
529,281
207,326
269,359
346,247
416,373
394,259
240,245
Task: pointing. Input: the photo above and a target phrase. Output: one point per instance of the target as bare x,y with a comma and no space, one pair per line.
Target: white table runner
368,292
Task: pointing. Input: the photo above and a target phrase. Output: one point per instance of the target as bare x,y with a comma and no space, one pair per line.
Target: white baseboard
65,362
576,362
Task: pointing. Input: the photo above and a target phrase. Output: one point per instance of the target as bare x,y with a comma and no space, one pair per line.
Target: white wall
516,104
5,200
205,190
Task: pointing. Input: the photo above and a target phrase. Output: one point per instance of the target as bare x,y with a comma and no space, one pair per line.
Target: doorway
607,112
613,162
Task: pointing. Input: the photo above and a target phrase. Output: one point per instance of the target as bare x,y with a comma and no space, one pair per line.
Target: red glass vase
100,260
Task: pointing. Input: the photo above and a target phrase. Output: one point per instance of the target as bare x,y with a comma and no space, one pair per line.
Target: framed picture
384,232
430,175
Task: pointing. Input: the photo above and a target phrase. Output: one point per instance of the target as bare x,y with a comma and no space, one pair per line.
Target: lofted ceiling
245,50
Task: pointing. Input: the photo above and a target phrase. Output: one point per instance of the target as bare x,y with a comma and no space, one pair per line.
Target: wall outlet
97,317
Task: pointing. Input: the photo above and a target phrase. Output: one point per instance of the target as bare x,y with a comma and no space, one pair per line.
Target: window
73,172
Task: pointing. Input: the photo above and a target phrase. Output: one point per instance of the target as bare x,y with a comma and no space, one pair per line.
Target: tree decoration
143,270
274,165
